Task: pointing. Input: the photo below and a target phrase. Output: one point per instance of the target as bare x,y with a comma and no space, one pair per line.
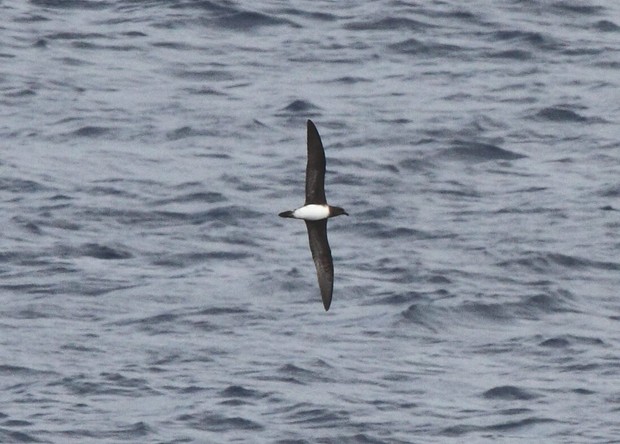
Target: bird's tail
286,214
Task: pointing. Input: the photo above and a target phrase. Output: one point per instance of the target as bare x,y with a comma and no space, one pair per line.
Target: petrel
315,213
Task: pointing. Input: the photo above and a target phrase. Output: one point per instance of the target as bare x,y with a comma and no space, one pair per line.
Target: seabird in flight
315,213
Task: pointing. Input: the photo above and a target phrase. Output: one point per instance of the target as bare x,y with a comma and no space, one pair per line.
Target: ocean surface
150,293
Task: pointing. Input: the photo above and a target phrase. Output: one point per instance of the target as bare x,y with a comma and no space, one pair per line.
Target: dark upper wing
322,255
315,169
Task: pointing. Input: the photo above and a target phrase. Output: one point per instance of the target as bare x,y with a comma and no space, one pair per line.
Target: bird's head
337,211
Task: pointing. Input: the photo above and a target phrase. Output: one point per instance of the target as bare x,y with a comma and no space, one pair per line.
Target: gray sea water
150,293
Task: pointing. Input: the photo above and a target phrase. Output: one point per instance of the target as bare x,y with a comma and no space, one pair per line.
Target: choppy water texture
150,293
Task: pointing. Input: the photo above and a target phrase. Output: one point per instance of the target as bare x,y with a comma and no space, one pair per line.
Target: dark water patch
72,4
347,179
478,152
218,311
16,423
101,190
532,189
90,287
383,212
178,46
509,393
523,423
322,15
192,389
387,23
11,436
105,384
465,429
61,224
494,312
318,417
555,114
552,302
65,35
229,16
582,391
131,432
227,215
515,411
456,97
531,38
136,430
249,20
547,262
606,26
231,214
300,106
513,54
31,17
349,80
237,391
396,299
424,314
294,374
403,121
556,213
455,190
438,279
16,185
416,164
27,289
27,92
577,8
590,368
147,218
462,14
204,5
164,323
105,252
528,307
95,250
134,34
380,230
185,132
557,342
7,370
199,196
571,340
81,348
92,131
359,438
611,191
206,75
122,381
215,422
182,260
417,47
95,46
28,225
459,430
204,91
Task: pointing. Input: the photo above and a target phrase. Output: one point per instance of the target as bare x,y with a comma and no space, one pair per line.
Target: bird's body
315,213
308,212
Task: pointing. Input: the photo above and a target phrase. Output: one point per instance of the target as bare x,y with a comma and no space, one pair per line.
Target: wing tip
327,302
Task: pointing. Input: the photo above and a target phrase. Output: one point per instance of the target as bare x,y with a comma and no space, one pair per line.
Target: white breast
311,212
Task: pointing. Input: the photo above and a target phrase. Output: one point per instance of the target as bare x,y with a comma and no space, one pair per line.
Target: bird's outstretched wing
315,169
322,255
